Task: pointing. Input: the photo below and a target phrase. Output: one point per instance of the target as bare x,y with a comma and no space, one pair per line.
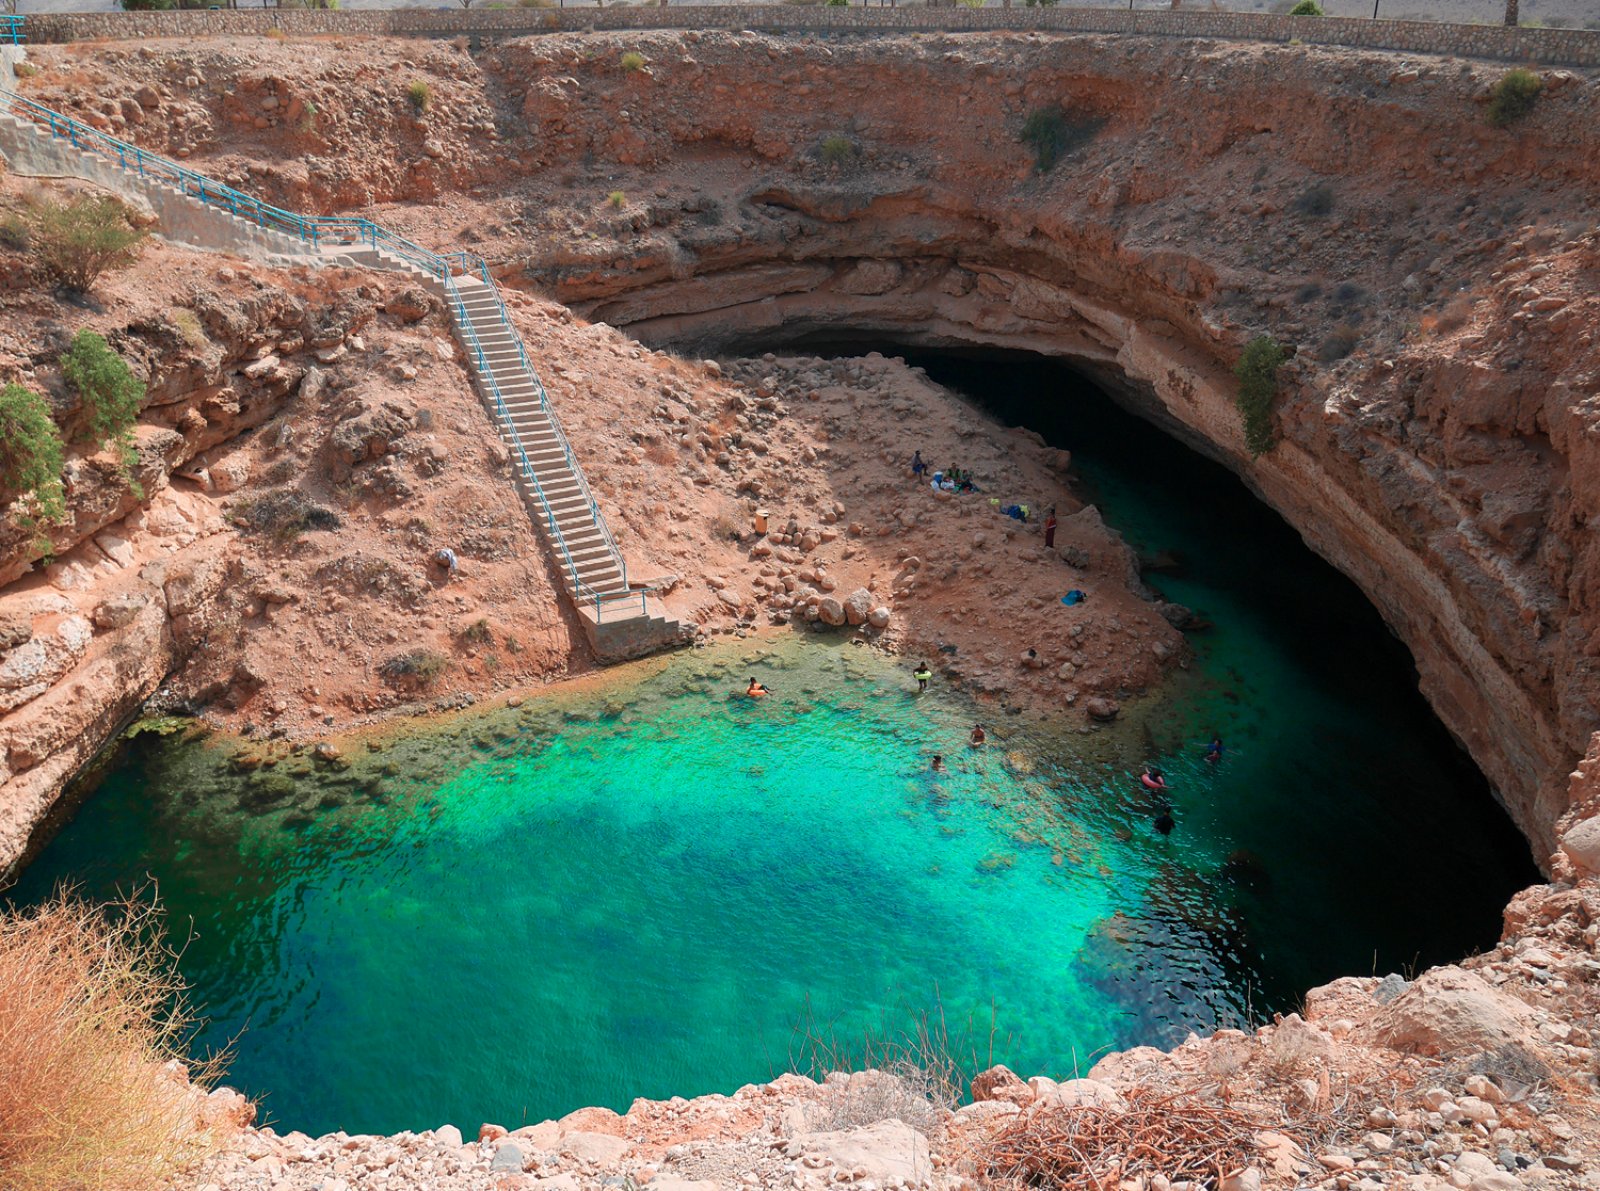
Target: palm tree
1511,12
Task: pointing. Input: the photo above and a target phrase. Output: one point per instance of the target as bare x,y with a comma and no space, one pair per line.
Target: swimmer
1214,750
1165,822
756,691
938,764
1153,779
922,674
979,737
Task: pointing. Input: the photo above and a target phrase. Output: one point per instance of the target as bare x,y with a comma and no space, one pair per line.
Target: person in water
1165,822
979,736
922,674
756,691
1214,750
938,764
1153,778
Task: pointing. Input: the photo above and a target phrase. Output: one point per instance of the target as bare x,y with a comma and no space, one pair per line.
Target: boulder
1000,1083
1448,1010
600,1148
411,304
1082,1093
119,550
507,1156
1581,846
831,611
889,1151
878,618
369,433
228,475
118,611
1102,708
447,1135
14,631
858,606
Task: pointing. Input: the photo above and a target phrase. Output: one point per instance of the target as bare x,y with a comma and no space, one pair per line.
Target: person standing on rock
1050,528
918,467
922,674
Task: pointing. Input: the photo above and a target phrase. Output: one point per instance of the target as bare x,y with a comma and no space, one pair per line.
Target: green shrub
1513,96
30,455
838,3
1257,371
1052,134
111,396
147,5
617,199
76,242
14,232
836,150
1307,8
420,95
632,61
1042,3
477,633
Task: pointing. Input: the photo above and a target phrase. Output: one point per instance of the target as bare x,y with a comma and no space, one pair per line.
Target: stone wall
1552,47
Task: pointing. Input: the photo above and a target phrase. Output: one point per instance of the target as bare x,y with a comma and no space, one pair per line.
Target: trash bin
761,522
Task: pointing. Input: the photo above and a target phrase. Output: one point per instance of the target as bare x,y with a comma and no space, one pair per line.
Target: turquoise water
643,889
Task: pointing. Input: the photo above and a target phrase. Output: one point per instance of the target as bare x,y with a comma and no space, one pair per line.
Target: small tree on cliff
1257,371
1511,12
78,241
30,457
111,396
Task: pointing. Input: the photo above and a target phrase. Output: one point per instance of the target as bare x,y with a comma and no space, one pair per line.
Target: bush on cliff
1257,371
836,150
77,242
420,95
1307,8
1513,96
1053,133
418,668
93,1009
111,396
30,456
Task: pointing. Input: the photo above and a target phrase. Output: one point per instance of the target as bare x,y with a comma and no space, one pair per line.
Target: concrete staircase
621,620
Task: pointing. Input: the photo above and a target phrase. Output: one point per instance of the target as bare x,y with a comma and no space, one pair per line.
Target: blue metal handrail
11,30
473,263
320,230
